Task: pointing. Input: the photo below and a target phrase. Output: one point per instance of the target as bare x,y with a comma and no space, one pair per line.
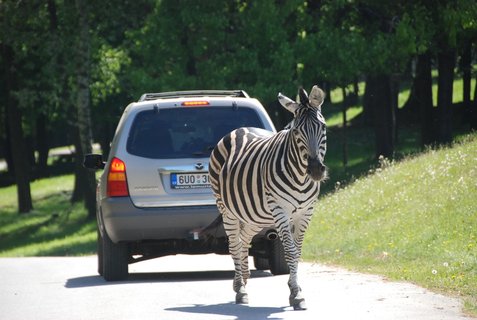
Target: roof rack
194,93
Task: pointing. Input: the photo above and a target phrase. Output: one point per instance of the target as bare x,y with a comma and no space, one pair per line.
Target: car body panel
155,210
126,223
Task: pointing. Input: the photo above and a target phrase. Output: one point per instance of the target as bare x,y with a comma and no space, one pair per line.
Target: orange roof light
195,103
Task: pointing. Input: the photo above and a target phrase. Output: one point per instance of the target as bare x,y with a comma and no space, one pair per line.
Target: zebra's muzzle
316,169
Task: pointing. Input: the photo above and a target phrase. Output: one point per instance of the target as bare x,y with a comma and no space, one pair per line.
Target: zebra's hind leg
297,301
247,232
233,230
298,227
292,255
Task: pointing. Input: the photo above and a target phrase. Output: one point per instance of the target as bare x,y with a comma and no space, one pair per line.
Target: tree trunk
369,101
8,153
83,103
80,179
327,89
446,64
394,106
42,146
422,88
410,112
466,66
17,142
345,124
384,104
473,110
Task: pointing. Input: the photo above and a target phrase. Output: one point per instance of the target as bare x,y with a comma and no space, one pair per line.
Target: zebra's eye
305,156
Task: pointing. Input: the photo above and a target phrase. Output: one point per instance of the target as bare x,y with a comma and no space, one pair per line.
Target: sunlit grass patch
54,227
336,118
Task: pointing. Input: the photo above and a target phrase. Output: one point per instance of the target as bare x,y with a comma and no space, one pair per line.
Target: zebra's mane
289,125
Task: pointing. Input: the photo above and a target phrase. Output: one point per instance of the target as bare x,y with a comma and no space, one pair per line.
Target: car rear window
185,132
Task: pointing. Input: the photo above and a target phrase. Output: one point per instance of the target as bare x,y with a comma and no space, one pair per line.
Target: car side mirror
93,161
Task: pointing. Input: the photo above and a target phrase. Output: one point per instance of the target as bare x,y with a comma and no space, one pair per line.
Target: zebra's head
308,130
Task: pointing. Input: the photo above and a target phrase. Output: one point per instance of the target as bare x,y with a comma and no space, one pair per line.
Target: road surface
200,287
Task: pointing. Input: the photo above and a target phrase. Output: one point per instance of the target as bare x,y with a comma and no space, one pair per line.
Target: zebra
261,179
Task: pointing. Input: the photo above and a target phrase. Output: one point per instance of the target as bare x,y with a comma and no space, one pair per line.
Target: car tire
115,259
278,263
100,253
261,263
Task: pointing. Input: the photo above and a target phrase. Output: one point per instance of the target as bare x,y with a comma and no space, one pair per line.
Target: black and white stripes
271,180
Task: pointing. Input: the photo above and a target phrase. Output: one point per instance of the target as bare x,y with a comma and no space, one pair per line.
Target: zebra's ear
288,103
317,96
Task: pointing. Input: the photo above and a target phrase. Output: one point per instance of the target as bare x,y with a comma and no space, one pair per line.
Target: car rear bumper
124,222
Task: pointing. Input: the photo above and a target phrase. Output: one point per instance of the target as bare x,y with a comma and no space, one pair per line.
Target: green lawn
54,228
415,220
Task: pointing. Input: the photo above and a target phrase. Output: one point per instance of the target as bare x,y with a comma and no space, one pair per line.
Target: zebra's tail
212,227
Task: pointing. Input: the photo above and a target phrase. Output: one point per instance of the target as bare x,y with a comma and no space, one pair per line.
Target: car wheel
115,259
278,263
261,263
100,253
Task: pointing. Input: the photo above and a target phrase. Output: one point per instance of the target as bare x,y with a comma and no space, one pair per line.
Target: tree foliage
260,46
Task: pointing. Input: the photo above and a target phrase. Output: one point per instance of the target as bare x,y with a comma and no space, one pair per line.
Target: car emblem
199,166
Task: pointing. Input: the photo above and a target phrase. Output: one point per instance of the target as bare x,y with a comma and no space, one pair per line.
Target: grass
54,228
415,220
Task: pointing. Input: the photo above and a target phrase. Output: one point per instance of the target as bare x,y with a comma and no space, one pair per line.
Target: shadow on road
239,311
94,281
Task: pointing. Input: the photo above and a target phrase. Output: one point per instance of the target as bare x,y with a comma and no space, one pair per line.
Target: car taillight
117,182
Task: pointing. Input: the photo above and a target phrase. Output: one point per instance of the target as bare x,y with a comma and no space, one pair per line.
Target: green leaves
110,62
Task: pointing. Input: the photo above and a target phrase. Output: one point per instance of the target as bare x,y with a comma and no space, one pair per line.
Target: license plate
193,180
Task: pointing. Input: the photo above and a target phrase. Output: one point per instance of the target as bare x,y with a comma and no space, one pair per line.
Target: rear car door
168,151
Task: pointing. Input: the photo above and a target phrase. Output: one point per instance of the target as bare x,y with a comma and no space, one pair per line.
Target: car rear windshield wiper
204,152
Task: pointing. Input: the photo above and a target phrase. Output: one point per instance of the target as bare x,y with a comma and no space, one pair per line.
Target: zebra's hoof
241,298
299,304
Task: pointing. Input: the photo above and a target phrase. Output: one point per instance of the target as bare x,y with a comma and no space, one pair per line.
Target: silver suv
154,197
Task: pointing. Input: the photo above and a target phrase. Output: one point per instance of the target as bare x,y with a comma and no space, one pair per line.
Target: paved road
183,287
